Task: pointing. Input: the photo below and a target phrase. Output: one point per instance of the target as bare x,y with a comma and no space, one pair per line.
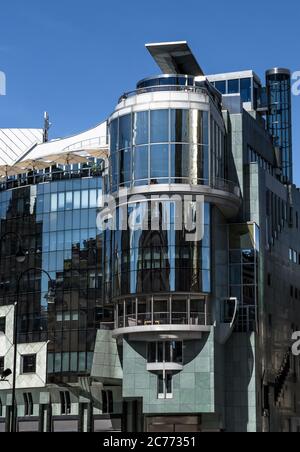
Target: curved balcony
191,321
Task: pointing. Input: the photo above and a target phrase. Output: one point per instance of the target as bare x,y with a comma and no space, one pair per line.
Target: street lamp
50,299
20,255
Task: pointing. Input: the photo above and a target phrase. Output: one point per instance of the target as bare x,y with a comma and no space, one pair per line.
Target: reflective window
221,86
28,364
125,165
140,163
125,139
180,132
246,89
179,160
233,86
159,162
159,132
141,128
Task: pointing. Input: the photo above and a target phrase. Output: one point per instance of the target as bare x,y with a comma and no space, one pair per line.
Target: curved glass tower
166,139
279,117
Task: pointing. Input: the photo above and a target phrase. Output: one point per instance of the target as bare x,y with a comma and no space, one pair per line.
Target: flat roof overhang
175,58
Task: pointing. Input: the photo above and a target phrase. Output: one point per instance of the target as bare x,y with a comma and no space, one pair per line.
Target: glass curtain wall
160,147
57,224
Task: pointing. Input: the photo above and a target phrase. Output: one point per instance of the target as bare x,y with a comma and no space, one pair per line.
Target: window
233,86
159,126
65,402
165,386
125,132
159,161
221,86
28,364
140,163
141,128
107,402
28,404
2,324
1,364
246,94
165,352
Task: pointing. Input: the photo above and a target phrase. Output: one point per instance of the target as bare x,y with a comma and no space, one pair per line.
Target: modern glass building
279,118
160,275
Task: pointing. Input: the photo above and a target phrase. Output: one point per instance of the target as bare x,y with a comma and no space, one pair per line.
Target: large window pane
114,135
180,126
203,165
140,163
125,132
159,167
159,126
233,86
221,86
246,89
125,165
180,162
141,128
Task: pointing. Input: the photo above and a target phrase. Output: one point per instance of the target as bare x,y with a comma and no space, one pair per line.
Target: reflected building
177,315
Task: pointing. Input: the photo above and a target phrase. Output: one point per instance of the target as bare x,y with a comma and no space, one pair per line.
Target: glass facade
279,118
167,80
244,258
160,147
153,261
57,224
244,86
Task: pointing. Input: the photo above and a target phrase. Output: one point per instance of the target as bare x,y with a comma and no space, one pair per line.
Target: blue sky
74,57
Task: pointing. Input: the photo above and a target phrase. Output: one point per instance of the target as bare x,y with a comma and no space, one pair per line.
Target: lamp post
20,255
51,295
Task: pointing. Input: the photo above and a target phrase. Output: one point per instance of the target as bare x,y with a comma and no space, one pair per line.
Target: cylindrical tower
166,140
279,117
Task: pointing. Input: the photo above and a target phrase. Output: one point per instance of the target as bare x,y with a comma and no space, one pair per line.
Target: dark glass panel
125,132
246,89
221,86
233,86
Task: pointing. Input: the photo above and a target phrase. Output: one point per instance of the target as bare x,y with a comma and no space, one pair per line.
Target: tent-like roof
15,142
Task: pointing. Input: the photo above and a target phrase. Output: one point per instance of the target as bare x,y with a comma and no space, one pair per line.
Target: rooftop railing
153,89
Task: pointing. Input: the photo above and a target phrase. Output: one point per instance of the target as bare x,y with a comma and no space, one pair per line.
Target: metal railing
53,176
91,143
152,89
162,318
217,184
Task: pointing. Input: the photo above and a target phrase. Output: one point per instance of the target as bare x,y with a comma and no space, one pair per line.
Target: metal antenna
47,125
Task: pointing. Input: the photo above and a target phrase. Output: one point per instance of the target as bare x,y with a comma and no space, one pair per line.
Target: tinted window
159,126
28,364
221,86
180,126
125,132
159,161
141,127
246,89
140,163
233,86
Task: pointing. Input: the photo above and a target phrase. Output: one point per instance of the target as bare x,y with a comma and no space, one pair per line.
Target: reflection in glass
159,126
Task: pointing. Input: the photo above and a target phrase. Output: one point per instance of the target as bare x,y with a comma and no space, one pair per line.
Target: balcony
192,319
